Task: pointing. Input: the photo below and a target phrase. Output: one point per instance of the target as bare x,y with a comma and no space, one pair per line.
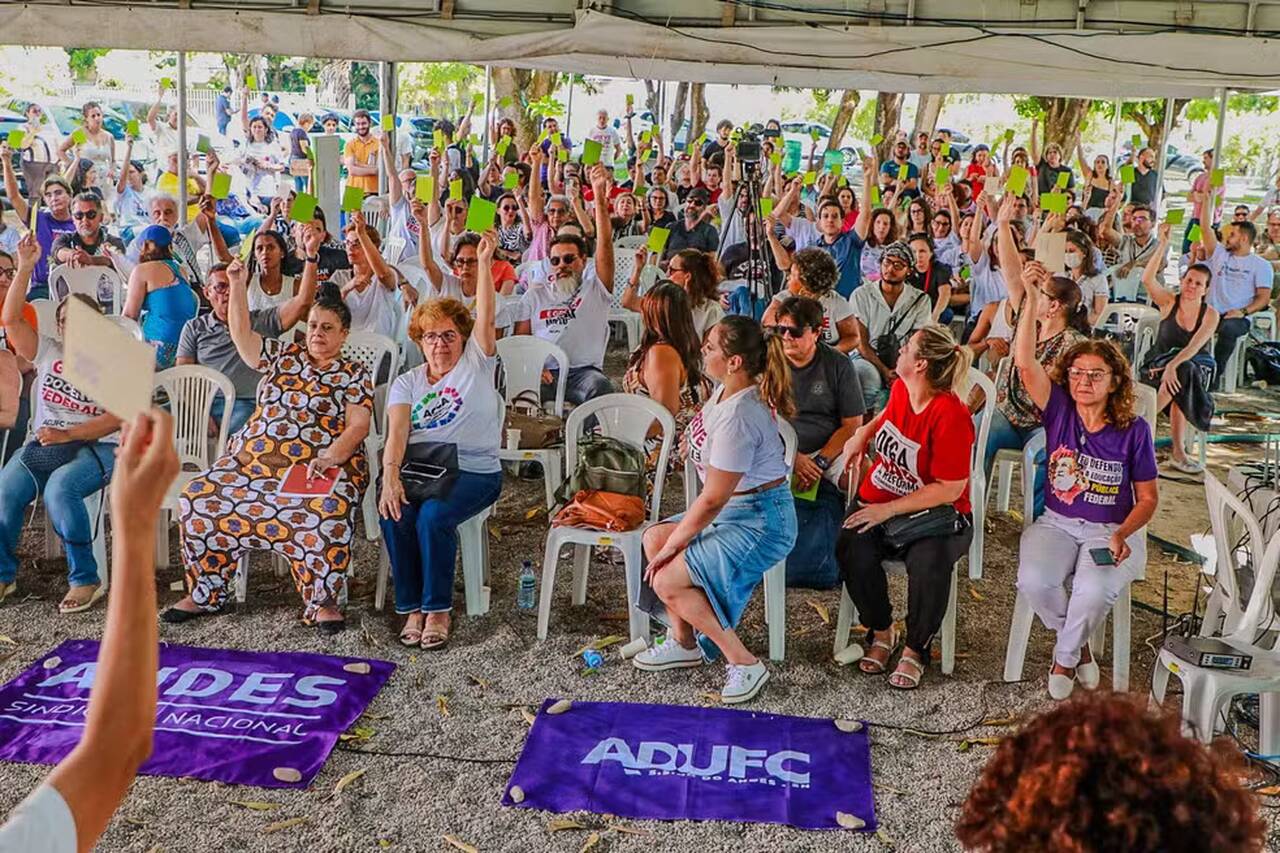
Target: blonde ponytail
775,381
948,362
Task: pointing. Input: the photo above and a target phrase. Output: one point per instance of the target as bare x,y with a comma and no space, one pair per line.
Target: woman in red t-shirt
923,446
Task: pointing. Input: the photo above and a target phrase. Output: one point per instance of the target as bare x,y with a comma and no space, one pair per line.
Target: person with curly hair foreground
1099,495
1105,773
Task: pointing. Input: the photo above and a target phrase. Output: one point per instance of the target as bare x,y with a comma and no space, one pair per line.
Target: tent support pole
568,112
488,107
386,106
182,137
1115,133
1223,94
1163,153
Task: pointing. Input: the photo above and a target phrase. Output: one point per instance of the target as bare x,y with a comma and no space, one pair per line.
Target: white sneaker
1060,686
1088,674
742,683
667,654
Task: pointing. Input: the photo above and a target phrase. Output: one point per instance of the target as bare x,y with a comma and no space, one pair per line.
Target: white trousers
1055,549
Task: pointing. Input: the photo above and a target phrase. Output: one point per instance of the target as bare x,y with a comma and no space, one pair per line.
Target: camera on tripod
749,148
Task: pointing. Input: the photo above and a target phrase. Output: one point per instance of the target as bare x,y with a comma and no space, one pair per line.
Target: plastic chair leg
471,535
162,539
844,621
1015,653
384,569
1159,683
1098,640
242,578
1269,724
1005,485
549,559
1120,625
979,502
949,630
581,568
547,479
775,609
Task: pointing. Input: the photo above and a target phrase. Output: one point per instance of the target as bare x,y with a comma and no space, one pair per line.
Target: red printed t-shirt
916,449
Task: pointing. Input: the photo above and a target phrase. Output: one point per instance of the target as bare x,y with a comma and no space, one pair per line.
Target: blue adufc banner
674,762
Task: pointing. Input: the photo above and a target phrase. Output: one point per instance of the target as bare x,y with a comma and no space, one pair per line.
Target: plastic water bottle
525,597
593,659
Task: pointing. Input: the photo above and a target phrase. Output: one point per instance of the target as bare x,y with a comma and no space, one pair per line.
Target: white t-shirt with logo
738,435
834,309
402,225
59,404
375,309
577,322
1236,278
463,408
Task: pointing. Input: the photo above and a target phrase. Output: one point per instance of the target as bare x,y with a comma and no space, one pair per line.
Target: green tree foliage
83,62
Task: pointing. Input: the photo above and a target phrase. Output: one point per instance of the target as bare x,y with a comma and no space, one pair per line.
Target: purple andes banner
673,762
247,718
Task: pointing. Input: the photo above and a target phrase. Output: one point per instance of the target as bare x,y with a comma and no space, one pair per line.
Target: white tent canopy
1136,48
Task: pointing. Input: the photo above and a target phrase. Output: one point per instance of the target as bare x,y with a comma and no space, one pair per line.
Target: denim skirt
728,559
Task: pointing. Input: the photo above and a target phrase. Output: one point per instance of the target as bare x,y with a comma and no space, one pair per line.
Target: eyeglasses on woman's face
1080,376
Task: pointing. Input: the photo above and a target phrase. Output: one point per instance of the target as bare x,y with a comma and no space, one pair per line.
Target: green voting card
877,139
1175,215
1054,202
303,208
658,239
1217,178
766,207
388,122
810,178
1064,178
220,185
352,199
590,152
16,138
1194,234
942,177
203,145
480,214
79,137
1017,180
945,149
510,180
132,128
455,190
424,188
904,171
1127,174
503,144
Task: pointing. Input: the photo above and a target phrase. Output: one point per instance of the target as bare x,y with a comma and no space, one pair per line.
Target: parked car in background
803,132
1179,166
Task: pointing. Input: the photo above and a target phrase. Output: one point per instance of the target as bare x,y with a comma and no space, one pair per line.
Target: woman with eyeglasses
514,231
71,453
160,295
369,288
1100,493
446,413
697,274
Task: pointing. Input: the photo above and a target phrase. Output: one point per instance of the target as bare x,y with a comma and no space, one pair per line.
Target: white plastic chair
1206,690
1238,550
1263,325
1121,611
375,211
473,542
775,579
128,324
191,389
624,262
1145,320
625,417
373,350
977,495
102,283
392,249
523,358
46,316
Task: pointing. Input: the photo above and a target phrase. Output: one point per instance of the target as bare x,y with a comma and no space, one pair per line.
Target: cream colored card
1051,250
106,363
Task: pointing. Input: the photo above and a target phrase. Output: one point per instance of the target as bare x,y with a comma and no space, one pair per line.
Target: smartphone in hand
1102,556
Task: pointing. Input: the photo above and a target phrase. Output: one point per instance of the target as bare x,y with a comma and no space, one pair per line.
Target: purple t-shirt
1091,475
47,230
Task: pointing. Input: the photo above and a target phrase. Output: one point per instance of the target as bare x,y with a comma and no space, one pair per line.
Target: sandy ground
468,701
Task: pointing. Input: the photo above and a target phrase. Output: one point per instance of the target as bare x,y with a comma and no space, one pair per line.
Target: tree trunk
699,114
678,109
652,97
888,114
927,112
523,86
335,83
849,100
1153,125
1062,118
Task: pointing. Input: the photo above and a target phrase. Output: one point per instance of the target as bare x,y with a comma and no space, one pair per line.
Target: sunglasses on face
510,207
7,272
789,331
84,214
465,262
557,260
556,211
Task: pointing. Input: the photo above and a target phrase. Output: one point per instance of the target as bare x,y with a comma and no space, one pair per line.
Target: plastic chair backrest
46,316
624,263
625,417
191,389
523,358
102,283
1233,524
128,324
978,378
392,249
630,244
371,350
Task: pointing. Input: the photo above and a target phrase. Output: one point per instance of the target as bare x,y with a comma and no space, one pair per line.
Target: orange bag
602,511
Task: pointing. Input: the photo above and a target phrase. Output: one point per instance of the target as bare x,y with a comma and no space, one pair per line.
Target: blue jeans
1006,436
241,410
740,303
874,393
64,492
812,562
583,384
423,544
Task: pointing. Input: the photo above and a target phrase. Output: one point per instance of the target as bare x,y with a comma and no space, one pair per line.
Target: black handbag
429,470
902,530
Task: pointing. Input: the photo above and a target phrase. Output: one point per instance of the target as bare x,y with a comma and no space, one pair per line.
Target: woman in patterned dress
314,408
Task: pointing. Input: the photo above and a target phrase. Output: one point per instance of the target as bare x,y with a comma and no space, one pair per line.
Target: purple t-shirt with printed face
1091,475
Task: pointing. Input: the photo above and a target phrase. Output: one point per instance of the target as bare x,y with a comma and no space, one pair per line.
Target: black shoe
332,628
176,616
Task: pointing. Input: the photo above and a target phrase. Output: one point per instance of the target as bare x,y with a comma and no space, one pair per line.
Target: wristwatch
821,461
315,259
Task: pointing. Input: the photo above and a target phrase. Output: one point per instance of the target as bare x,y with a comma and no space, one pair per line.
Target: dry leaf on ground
348,779
254,805
459,844
283,824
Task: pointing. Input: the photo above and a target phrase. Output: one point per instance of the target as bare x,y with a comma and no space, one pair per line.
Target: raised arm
123,181
870,175
20,205
1085,171
1107,232
155,110
971,240
248,342
394,191
537,199
425,256
1007,250
120,718
209,224
1034,377
604,226
22,337
1151,273
386,276
244,112
300,303
483,332
1207,237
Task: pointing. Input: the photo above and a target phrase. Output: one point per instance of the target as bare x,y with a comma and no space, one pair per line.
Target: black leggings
930,566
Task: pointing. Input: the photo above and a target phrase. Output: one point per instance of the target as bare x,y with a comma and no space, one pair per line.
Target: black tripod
759,285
